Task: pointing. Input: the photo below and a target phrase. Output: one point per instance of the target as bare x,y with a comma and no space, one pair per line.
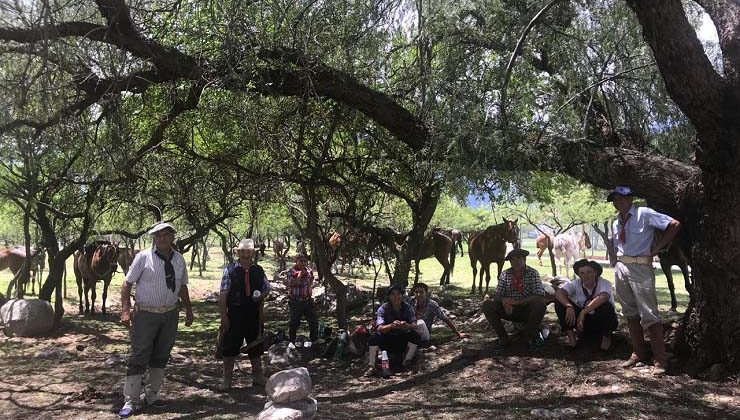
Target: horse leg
687,279
106,283
94,295
540,251
79,293
475,274
87,291
669,278
488,278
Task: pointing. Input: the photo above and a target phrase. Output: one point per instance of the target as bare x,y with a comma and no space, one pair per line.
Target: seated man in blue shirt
427,311
396,325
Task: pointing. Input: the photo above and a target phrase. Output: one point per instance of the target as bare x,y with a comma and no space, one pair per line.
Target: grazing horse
440,245
96,262
566,250
13,258
126,257
543,242
489,246
281,247
672,255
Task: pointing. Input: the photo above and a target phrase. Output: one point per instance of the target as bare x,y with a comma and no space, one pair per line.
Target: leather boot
258,376
657,344
228,373
131,396
151,393
639,348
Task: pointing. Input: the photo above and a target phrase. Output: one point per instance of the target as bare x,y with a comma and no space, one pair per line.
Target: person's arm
126,313
669,234
222,300
266,289
595,303
292,280
185,297
134,272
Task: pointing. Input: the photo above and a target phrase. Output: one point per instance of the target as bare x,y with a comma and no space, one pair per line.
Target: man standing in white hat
160,277
244,287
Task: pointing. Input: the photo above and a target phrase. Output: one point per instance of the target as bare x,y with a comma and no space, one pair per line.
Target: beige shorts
635,284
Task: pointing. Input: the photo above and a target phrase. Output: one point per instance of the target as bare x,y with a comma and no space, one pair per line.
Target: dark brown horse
672,255
489,246
457,238
439,245
126,257
281,247
96,262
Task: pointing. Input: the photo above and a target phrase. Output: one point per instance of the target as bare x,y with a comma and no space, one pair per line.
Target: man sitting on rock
519,296
396,324
427,311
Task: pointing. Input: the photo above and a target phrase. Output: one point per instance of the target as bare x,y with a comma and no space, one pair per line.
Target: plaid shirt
303,290
532,285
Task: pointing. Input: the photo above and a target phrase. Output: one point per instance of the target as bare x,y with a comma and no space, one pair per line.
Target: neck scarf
169,271
589,296
623,231
517,281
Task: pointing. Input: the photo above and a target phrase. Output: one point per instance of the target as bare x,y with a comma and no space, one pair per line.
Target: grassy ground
458,380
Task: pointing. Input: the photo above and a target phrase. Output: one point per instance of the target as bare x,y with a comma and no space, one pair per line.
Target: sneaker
371,371
126,411
633,361
536,343
659,369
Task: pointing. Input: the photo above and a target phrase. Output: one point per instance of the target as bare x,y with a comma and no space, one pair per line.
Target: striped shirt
303,290
532,285
147,274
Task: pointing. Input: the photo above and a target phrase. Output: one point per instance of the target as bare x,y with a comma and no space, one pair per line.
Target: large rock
289,385
27,317
296,410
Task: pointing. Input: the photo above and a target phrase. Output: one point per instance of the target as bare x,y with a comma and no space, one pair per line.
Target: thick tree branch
726,18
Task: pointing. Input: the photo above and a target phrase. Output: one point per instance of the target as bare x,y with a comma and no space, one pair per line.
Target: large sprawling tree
608,92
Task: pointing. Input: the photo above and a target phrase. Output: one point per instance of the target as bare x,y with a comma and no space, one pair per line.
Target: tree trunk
713,318
320,256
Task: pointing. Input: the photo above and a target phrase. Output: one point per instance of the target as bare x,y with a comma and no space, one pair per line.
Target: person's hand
225,324
570,316
189,317
461,336
508,306
127,316
579,324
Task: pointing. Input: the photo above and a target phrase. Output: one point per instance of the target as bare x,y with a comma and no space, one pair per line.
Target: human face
420,294
164,239
622,203
300,263
587,274
245,254
395,298
517,263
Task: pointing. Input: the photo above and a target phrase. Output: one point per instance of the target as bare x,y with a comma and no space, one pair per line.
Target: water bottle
342,340
321,330
385,365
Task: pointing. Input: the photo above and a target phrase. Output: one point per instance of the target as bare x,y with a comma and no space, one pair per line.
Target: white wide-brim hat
245,244
161,226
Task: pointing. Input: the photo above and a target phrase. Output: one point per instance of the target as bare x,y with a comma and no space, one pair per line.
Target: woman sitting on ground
586,305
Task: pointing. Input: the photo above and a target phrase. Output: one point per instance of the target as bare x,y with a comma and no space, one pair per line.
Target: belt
155,309
635,260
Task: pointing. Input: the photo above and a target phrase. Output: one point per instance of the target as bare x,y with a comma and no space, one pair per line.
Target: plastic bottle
321,330
385,366
341,341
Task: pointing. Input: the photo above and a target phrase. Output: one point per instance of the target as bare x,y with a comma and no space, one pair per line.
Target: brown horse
544,242
13,258
489,246
457,237
440,245
126,257
96,262
584,243
672,255
281,247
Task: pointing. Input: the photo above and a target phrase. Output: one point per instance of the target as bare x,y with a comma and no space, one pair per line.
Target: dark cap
519,252
593,264
396,287
623,191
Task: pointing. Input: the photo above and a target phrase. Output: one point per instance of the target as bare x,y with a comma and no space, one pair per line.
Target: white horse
565,246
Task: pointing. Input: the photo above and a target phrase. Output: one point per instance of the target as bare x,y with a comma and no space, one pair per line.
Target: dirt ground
78,373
